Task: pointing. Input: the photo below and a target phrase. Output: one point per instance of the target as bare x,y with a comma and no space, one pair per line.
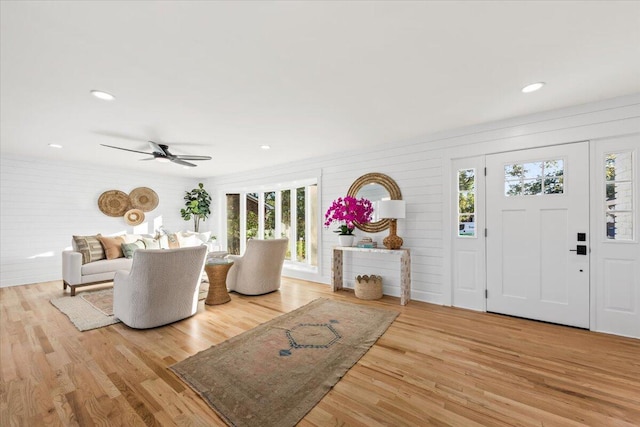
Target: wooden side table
217,274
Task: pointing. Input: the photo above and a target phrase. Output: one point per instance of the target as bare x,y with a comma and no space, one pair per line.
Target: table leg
336,270
405,278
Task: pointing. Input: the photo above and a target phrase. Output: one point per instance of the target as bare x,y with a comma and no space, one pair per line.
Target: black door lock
580,250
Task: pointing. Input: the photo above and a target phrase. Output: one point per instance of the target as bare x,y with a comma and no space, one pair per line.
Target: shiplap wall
42,204
65,196
422,171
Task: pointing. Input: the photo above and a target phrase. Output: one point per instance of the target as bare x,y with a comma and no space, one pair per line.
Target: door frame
451,206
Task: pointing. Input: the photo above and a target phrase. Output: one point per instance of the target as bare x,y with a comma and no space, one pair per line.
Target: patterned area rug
275,373
94,309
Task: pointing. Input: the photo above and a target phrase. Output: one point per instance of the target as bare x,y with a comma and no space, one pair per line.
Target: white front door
537,234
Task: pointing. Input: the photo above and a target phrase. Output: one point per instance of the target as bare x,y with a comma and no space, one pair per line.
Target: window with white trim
289,211
619,203
467,202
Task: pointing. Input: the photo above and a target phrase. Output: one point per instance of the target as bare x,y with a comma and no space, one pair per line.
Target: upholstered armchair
258,271
162,286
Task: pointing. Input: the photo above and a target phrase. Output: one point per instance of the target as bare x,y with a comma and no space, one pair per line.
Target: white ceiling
307,78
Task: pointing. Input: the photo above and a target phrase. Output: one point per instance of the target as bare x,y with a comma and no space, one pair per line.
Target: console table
405,267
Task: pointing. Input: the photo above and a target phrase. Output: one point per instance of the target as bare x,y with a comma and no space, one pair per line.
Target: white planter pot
346,240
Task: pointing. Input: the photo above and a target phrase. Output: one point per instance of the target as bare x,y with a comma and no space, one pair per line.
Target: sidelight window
466,202
619,207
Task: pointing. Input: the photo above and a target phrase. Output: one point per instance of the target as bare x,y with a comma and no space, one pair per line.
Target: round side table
217,274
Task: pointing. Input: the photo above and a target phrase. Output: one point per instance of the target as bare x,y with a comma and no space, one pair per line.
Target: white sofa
162,287
75,274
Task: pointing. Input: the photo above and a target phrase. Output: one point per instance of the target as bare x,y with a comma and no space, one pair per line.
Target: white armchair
258,271
162,287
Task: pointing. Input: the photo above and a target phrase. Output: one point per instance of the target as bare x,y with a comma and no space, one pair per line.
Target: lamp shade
393,209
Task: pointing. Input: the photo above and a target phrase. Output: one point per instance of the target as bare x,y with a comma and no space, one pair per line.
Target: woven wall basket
144,198
368,287
114,203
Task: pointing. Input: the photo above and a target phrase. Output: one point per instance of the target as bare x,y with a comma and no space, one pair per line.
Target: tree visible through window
619,195
466,202
291,212
530,179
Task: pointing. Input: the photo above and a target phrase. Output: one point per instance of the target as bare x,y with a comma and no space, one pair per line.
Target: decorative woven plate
143,198
114,203
134,217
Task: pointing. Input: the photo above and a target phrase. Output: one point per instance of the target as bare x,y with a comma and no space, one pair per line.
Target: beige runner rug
274,374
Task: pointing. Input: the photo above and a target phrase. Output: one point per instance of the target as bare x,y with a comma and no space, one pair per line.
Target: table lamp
391,210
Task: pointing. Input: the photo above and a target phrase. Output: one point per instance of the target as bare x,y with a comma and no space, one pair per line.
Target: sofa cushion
129,248
112,246
188,240
106,266
90,248
130,238
150,243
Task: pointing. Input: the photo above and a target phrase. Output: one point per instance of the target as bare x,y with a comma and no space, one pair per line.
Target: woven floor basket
368,287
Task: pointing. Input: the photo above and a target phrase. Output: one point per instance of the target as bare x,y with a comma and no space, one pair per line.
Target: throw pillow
112,246
189,240
90,248
174,243
151,243
129,248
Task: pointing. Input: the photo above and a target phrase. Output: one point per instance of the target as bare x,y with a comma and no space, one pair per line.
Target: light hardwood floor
434,366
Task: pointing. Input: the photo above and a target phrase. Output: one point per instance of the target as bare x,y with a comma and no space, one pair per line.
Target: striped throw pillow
90,248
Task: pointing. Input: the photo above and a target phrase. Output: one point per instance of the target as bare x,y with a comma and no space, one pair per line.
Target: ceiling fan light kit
161,153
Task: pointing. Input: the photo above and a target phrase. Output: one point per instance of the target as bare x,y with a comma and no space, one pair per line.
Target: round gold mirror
375,187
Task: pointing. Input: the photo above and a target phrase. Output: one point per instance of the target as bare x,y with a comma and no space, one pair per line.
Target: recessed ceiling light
265,147
102,95
533,87
55,145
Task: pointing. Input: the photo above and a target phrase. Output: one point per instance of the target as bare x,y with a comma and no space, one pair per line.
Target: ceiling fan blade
187,157
148,158
125,149
157,148
183,163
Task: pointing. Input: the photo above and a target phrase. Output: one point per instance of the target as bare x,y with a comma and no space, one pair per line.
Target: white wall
65,196
42,204
422,170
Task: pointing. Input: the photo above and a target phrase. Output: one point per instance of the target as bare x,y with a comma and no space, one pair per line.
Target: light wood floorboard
434,366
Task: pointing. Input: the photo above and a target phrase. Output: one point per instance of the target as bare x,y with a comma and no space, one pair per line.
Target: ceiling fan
161,153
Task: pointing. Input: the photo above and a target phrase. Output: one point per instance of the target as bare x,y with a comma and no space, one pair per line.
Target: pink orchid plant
348,210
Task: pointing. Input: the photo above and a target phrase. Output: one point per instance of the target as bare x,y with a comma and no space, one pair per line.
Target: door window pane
534,178
618,183
466,202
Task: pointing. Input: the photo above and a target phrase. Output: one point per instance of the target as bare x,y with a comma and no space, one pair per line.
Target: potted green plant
197,206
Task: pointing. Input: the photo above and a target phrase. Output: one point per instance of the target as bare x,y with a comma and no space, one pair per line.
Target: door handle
579,250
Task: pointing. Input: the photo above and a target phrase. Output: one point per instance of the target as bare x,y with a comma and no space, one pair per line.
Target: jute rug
274,374
94,309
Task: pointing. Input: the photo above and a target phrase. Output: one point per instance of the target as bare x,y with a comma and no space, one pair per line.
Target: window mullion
293,203
260,215
243,222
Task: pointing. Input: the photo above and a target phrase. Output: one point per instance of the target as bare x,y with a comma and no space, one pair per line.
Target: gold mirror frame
389,184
